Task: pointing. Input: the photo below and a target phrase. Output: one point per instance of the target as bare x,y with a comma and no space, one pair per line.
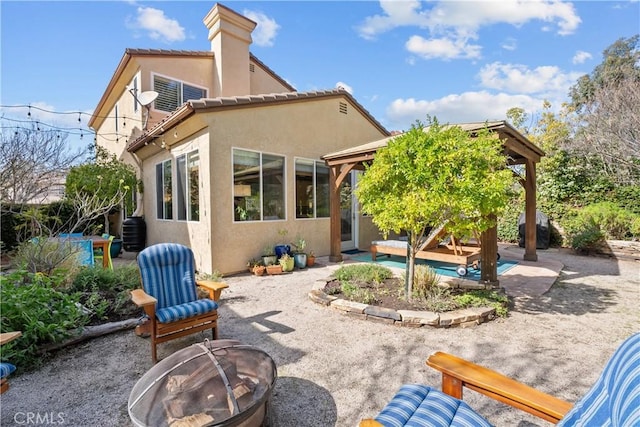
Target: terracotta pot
274,269
310,261
258,270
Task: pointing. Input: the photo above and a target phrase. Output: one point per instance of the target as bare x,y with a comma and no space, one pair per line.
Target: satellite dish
146,98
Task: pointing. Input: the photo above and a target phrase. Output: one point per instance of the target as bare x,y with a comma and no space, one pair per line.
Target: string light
79,131
79,113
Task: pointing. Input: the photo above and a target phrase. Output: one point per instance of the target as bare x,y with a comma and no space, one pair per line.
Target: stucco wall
195,234
307,129
263,82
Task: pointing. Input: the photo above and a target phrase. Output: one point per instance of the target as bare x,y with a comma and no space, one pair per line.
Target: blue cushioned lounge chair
614,400
169,297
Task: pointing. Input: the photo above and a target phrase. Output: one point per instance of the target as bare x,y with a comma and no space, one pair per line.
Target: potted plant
311,259
274,268
269,255
287,262
299,255
282,248
252,263
259,269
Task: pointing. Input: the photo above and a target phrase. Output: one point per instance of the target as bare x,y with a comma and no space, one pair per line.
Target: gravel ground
334,370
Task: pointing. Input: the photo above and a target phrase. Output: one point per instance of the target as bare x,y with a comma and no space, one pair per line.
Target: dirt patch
389,294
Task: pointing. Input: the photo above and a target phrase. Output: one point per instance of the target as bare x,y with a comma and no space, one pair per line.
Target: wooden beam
489,256
530,212
335,254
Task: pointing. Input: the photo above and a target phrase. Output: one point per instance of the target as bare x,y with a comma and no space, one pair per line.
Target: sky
457,61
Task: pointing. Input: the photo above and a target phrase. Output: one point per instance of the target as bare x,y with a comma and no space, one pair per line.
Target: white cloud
509,44
345,87
157,25
455,22
516,78
397,14
581,56
466,107
470,16
266,30
442,48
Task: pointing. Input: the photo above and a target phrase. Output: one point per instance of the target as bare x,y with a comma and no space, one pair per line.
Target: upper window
164,195
258,186
173,93
312,189
188,178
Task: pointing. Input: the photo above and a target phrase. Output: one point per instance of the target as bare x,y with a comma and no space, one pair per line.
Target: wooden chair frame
162,332
458,373
7,337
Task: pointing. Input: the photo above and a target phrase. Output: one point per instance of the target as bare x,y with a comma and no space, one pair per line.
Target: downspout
139,205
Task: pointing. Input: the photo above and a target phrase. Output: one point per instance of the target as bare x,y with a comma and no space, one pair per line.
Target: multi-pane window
312,189
164,195
258,186
173,93
188,186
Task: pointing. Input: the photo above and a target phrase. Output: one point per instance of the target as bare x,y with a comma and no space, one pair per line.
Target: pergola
519,151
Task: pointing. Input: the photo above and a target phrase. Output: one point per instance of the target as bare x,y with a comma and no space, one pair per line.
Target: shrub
587,227
41,255
31,303
356,293
359,273
425,279
106,293
508,221
482,298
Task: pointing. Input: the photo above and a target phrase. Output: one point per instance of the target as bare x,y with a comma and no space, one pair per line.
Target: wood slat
496,386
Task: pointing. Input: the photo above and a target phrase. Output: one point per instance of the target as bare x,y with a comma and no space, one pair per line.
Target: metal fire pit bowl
214,383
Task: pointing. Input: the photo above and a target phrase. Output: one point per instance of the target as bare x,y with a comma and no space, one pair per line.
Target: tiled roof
167,52
192,106
500,126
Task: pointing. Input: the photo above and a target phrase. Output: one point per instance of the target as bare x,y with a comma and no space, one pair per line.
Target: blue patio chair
169,297
70,235
85,251
614,400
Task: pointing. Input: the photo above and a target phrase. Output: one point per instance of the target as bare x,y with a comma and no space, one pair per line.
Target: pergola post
335,254
489,256
530,212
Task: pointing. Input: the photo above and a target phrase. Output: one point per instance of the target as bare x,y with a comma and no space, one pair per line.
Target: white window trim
187,179
173,191
153,75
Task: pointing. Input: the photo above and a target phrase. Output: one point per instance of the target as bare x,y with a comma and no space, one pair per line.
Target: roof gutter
169,122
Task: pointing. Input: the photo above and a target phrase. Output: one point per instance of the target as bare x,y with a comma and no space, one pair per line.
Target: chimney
230,36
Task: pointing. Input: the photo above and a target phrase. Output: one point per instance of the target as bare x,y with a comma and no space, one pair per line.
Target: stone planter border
467,317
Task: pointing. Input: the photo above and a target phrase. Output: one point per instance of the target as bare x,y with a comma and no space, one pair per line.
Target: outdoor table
101,242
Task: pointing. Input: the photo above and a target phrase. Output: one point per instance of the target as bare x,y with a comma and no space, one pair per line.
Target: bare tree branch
31,161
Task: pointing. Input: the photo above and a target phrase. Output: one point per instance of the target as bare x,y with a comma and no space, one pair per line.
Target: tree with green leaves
435,175
98,188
